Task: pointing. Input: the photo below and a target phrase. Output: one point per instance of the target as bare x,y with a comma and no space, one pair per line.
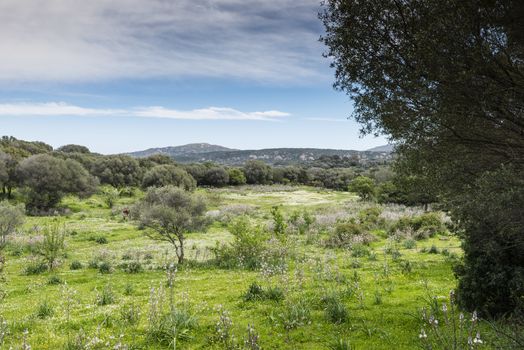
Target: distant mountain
385,148
185,150
200,153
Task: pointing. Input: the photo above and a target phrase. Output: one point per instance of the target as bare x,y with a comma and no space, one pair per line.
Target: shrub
54,280
247,249
101,240
295,314
52,245
106,296
257,292
132,267
129,289
421,227
370,218
254,292
105,267
359,251
35,267
173,325
274,293
335,311
76,265
44,310
433,250
344,234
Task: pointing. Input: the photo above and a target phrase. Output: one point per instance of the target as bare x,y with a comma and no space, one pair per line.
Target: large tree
46,179
164,175
445,80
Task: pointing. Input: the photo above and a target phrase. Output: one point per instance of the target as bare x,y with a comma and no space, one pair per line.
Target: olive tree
258,172
46,179
168,214
164,175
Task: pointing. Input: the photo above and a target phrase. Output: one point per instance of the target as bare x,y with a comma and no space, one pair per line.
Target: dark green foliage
236,177
132,267
117,171
337,179
164,175
216,176
101,240
54,280
47,179
491,278
35,267
363,186
256,292
444,80
104,267
76,265
73,149
258,172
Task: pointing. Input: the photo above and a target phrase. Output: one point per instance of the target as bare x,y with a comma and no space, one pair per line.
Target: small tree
279,224
53,244
11,217
363,186
109,195
170,213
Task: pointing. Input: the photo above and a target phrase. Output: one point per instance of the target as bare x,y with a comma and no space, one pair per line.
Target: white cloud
79,40
64,109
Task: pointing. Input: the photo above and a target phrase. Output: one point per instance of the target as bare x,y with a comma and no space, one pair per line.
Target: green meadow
113,281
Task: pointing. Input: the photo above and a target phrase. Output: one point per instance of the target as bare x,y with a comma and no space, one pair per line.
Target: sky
127,75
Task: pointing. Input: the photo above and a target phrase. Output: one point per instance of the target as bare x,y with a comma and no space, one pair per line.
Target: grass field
382,287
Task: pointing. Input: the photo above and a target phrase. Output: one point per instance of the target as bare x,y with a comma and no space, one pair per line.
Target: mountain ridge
204,152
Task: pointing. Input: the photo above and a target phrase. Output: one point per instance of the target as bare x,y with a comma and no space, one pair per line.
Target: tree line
43,175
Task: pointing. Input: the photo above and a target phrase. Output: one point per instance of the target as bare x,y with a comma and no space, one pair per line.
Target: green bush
76,265
105,267
54,280
44,310
106,296
35,267
344,234
256,292
335,311
296,314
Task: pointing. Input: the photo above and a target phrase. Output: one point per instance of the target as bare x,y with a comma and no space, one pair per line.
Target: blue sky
119,76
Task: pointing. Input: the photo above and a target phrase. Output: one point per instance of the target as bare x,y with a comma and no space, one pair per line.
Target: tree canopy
444,79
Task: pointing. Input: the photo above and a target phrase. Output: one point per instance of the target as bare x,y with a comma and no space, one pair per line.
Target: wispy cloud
79,40
64,109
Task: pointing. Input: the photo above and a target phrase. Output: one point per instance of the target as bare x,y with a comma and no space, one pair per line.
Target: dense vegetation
146,253
444,80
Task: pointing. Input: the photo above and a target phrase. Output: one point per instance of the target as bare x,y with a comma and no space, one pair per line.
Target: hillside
184,150
273,156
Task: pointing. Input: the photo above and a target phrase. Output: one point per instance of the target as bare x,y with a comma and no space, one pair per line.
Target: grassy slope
392,324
